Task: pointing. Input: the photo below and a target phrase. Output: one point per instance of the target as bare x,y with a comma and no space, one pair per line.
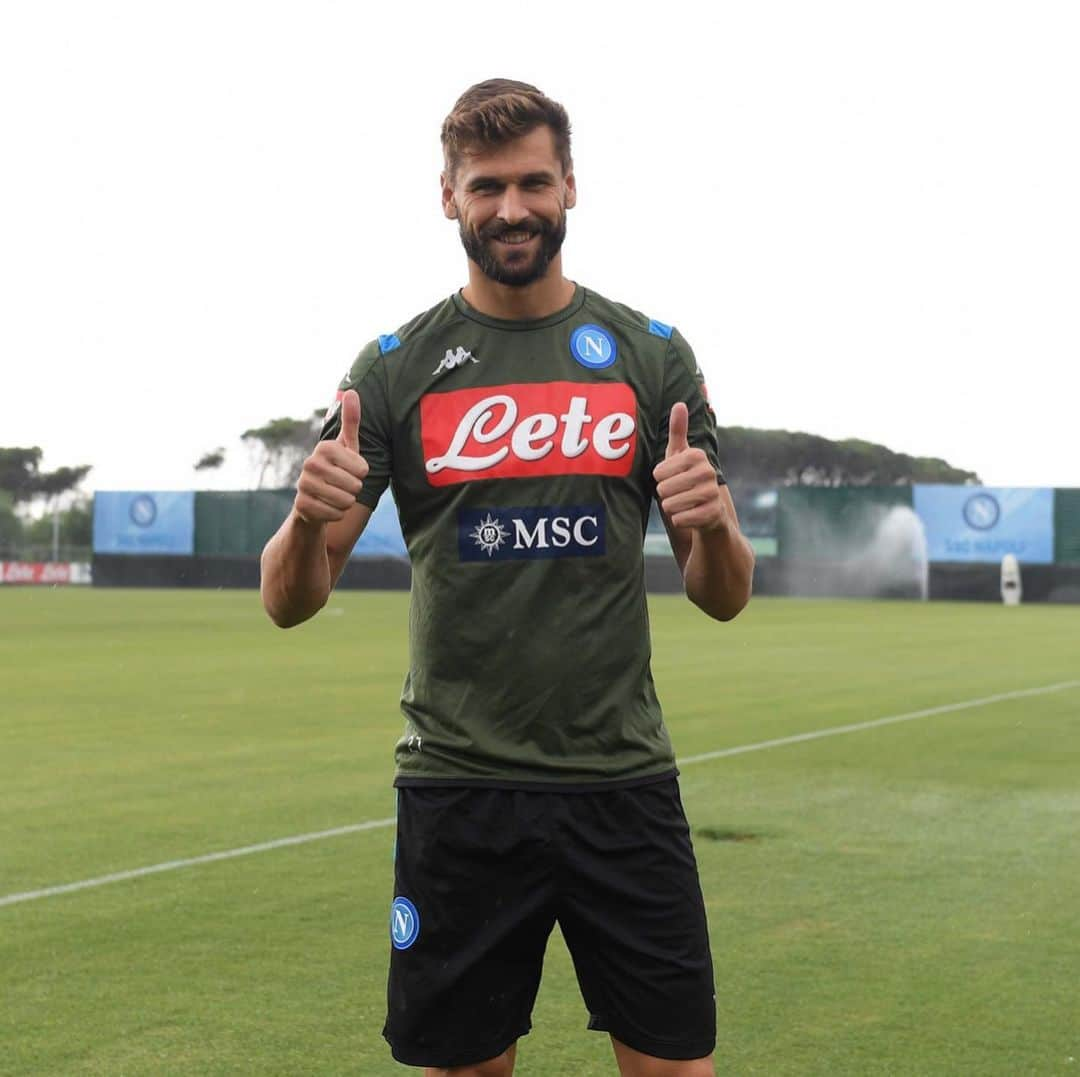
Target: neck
545,296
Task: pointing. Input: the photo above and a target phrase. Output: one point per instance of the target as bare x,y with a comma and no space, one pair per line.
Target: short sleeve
367,376
684,381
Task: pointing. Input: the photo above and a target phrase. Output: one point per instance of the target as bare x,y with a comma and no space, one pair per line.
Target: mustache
498,229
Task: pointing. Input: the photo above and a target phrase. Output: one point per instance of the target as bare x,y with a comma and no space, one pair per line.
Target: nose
511,206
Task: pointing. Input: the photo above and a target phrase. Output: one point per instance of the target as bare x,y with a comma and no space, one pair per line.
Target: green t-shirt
520,457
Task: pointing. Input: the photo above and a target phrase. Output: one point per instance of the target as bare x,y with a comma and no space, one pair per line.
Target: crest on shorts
404,923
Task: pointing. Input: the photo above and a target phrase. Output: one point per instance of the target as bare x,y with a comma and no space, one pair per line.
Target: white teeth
515,237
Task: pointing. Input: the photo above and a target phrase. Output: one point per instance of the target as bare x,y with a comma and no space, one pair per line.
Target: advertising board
144,522
984,523
44,573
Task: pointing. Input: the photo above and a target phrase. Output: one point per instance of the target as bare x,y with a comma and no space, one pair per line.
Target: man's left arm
716,560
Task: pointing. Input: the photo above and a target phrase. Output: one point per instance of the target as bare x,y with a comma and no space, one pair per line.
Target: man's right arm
304,559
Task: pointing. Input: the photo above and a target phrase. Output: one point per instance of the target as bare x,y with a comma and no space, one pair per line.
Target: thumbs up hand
334,473
686,485
350,421
678,429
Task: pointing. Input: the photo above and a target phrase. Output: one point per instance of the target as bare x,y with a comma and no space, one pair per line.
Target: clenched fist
686,485
334,473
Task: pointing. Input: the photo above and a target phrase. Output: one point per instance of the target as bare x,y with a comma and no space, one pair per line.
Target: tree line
750,457
25,487
786,458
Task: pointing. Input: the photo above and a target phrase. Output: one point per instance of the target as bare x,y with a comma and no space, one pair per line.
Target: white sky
863,216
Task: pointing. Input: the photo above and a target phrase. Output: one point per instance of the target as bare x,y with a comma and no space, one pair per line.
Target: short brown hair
497,111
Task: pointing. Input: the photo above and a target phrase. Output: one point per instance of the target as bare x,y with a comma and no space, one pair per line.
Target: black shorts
481,877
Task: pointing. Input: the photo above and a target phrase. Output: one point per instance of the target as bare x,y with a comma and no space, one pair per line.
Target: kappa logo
452,359
521,431
538,531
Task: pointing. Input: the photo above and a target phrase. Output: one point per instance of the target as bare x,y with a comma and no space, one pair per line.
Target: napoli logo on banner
593,347
143,511
982,511
404,923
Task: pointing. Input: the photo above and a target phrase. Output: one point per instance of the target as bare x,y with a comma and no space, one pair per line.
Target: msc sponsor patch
535,531
521,431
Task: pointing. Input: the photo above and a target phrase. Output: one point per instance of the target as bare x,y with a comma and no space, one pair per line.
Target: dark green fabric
832,523
238,523
525,670
1067,526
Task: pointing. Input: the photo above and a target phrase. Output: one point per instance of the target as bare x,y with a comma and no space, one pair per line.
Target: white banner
44,573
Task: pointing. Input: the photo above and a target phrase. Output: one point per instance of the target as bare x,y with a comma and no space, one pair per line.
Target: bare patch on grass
725,833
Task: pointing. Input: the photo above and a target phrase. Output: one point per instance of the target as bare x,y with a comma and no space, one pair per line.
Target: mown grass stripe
375,824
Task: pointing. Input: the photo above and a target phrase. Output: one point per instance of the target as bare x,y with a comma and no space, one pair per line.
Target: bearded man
525,425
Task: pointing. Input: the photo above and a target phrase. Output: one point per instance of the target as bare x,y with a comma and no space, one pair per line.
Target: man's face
510,204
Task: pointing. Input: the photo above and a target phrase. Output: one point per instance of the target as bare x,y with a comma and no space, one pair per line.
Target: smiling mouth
515,239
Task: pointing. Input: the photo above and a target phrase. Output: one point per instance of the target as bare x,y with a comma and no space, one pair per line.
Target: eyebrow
496,181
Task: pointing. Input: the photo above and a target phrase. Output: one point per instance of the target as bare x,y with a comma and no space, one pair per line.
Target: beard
523,269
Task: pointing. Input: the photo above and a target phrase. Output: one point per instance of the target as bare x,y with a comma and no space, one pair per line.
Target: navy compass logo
489,534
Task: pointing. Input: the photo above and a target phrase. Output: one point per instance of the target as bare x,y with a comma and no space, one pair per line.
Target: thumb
350,420
677,430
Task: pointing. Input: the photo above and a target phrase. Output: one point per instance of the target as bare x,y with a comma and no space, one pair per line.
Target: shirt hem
404,781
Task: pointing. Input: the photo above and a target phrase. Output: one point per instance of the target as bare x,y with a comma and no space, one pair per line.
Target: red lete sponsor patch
518,431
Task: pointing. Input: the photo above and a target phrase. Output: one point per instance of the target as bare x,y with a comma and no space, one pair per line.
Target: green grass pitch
900,900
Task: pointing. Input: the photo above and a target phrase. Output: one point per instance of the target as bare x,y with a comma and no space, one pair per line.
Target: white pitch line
376,824
910,716
209,858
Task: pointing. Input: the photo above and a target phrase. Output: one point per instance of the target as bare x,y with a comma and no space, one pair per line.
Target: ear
449,206
571,191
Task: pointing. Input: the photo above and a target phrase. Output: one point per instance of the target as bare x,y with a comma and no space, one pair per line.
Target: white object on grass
1011,590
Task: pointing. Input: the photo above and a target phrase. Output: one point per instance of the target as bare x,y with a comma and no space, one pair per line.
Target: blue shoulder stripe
659,329
388,343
